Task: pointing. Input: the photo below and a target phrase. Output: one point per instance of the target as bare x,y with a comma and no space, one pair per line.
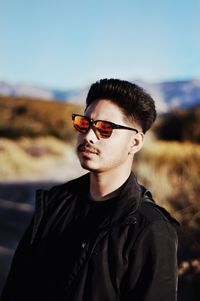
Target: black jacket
132,256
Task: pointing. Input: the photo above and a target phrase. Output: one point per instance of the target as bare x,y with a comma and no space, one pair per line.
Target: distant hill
174,94
168,95
28,90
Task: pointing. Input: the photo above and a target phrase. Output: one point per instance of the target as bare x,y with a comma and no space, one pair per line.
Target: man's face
99,154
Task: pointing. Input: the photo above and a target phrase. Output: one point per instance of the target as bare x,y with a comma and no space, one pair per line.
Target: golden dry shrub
172,172
20,116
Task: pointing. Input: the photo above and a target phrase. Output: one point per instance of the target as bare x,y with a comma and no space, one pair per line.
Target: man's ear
137,142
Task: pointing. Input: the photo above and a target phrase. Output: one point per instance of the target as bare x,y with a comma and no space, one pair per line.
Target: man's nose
91,135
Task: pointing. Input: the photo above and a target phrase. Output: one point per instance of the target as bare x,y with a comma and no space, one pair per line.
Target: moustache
87,147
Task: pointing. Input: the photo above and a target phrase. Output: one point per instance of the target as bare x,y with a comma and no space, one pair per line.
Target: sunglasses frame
94,122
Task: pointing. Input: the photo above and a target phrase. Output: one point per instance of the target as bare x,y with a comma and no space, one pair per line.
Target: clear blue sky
71,43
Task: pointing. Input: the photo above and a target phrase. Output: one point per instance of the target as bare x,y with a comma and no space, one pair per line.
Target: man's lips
88,149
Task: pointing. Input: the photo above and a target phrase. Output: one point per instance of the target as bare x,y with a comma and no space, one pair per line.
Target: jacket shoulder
61,191
52,200
151,212
73,184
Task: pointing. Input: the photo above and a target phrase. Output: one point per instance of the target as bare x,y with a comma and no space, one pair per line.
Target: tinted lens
81,124
103,128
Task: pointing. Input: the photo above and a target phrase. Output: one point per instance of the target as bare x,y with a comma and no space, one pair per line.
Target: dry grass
172,172
33,158
21,116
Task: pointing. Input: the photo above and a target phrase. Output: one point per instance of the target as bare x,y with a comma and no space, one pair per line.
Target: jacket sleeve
152,273
17,280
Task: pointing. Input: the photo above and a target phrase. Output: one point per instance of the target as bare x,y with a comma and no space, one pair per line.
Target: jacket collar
127,201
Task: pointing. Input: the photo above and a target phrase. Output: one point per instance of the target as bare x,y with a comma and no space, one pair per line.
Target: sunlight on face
105,154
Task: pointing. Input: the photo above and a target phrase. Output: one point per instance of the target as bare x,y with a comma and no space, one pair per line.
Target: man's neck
106,185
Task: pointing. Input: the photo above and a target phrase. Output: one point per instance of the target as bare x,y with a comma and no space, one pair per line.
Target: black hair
132,99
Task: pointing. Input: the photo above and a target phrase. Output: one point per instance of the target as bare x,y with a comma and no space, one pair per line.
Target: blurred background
51,51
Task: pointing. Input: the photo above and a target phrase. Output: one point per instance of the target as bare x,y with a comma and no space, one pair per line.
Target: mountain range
168,95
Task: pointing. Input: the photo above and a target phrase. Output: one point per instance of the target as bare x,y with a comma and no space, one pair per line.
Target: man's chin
88,166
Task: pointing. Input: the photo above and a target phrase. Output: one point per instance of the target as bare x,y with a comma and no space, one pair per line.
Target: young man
100,237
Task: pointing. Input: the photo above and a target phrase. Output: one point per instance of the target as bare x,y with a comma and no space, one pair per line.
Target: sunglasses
103,129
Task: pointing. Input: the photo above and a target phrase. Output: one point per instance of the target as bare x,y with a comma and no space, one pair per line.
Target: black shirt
60,250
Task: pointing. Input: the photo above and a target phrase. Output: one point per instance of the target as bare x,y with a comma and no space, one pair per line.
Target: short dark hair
132,99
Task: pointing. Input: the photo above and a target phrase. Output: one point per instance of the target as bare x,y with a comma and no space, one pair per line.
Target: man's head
136,104
127,112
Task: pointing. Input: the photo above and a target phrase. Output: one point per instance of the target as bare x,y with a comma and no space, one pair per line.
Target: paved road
16,209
